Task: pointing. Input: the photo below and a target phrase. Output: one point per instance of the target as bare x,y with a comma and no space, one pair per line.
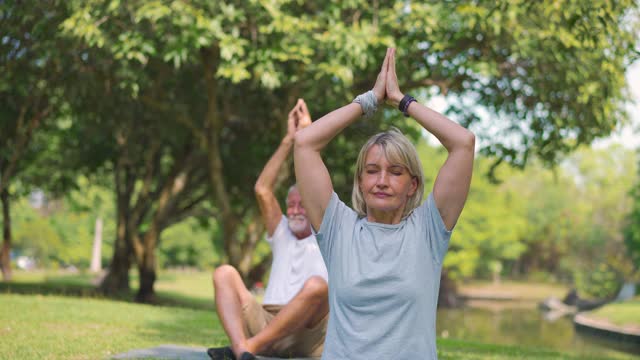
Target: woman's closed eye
396,170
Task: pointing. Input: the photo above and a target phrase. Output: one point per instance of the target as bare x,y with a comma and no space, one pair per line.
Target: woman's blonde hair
398,150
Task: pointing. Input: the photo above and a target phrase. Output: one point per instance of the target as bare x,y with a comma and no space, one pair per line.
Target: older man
293,317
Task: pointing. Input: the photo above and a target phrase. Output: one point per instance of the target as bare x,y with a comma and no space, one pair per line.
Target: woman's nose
382,179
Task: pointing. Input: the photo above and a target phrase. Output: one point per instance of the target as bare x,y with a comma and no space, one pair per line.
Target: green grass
466,350
173,288
622,314
84,325
54,327
192,289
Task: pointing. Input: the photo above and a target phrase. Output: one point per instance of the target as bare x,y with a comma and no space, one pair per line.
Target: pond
524,325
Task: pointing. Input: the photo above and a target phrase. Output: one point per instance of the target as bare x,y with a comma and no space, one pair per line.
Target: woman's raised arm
312,176
452,184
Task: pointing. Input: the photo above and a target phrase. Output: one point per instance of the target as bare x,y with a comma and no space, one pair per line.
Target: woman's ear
414,185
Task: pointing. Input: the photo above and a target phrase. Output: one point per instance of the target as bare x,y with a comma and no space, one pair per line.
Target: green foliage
490,229
149,89
35,66
76,223
604,179
61,231
575,214
559,223
552,217
505,55
543,69
34,236
188,244
632,230
601,282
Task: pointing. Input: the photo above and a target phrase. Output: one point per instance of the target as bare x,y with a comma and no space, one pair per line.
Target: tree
553,73
57,230
632,229
552,217
491,226
91,199
223,130
188,244
550,74
575,217
35,237
33,67
159,175
604,179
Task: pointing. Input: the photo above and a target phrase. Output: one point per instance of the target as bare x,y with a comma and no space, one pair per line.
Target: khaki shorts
305,342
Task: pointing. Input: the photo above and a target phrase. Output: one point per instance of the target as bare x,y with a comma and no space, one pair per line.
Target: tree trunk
239,239
448,295
144,245
259,270
147,273
117,279
5,258
240,252
145,254
96,254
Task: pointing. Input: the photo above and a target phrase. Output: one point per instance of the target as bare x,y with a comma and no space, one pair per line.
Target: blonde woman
384,256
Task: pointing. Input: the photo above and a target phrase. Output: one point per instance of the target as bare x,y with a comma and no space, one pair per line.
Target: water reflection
518,324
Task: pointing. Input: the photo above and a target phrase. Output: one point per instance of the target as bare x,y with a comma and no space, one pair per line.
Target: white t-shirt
294,261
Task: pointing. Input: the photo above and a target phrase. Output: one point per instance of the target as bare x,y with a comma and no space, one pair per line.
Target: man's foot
247,356
222,353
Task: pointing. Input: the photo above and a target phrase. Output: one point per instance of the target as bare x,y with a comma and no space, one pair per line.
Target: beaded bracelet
404,104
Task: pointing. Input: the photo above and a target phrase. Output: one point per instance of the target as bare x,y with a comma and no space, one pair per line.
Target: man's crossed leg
274,334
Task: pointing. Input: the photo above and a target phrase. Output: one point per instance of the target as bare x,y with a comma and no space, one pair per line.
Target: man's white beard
298,224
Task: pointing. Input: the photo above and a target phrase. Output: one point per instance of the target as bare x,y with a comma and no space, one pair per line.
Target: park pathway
175,352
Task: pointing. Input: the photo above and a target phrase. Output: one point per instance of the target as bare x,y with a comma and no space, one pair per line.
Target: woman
384,258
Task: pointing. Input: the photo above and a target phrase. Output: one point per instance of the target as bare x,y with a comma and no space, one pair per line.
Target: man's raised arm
264,188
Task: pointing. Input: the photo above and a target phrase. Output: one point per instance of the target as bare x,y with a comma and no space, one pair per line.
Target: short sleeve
335,215
437,234
280,231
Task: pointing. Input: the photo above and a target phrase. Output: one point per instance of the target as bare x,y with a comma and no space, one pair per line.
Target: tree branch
152,165
23,137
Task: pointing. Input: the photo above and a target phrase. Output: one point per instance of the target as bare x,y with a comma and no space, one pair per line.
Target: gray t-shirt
383,283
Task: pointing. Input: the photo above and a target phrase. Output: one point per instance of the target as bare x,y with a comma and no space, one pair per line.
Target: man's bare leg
231,295
306,309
